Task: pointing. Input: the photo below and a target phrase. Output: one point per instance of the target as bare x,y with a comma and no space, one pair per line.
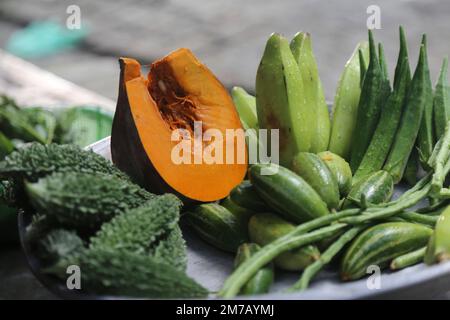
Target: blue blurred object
40,39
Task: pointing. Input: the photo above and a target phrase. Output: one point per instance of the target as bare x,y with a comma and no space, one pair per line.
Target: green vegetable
144,229
345,106
246,106
375,188
412,167
8,225
171,249
340,169
236,209
58,244
245,195
425,138
36,160
6,146
83,125
408,259
384,69
262,280
129,274
294,239
418,218
16,124
411,118
441,101
315,172
438,249
380,244
280,99
264,228
369,107
391,112
84,200
325,258
301,47
287,193
218,226
43,122
362,66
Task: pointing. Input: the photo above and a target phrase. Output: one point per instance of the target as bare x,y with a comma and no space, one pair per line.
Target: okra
425,138
345,106
301,47
369,107
441,101
408,130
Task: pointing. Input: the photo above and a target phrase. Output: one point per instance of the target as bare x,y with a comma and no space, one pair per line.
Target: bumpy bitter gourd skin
150,229
279,99
84,200
107,271
35,160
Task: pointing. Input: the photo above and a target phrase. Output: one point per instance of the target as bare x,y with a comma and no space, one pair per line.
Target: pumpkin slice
177,129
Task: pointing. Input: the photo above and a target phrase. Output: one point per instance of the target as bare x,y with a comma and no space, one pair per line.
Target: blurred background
229,36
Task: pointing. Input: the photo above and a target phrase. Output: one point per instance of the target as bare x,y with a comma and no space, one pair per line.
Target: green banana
280,101
301,47
345,107
246,106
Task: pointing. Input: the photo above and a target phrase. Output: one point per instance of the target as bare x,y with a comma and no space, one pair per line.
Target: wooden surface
30,85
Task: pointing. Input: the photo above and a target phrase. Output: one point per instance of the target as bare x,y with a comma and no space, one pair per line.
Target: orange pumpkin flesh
178,91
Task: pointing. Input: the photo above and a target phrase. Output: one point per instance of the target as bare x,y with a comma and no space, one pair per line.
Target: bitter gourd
107,271
84,200
36,160
149,229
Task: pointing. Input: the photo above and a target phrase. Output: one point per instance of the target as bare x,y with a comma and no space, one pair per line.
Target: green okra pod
369,107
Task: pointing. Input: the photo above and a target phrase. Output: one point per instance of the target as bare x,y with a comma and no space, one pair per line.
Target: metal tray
210,267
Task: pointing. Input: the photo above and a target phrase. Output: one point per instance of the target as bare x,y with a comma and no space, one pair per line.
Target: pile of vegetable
19,125
329,199
88,213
